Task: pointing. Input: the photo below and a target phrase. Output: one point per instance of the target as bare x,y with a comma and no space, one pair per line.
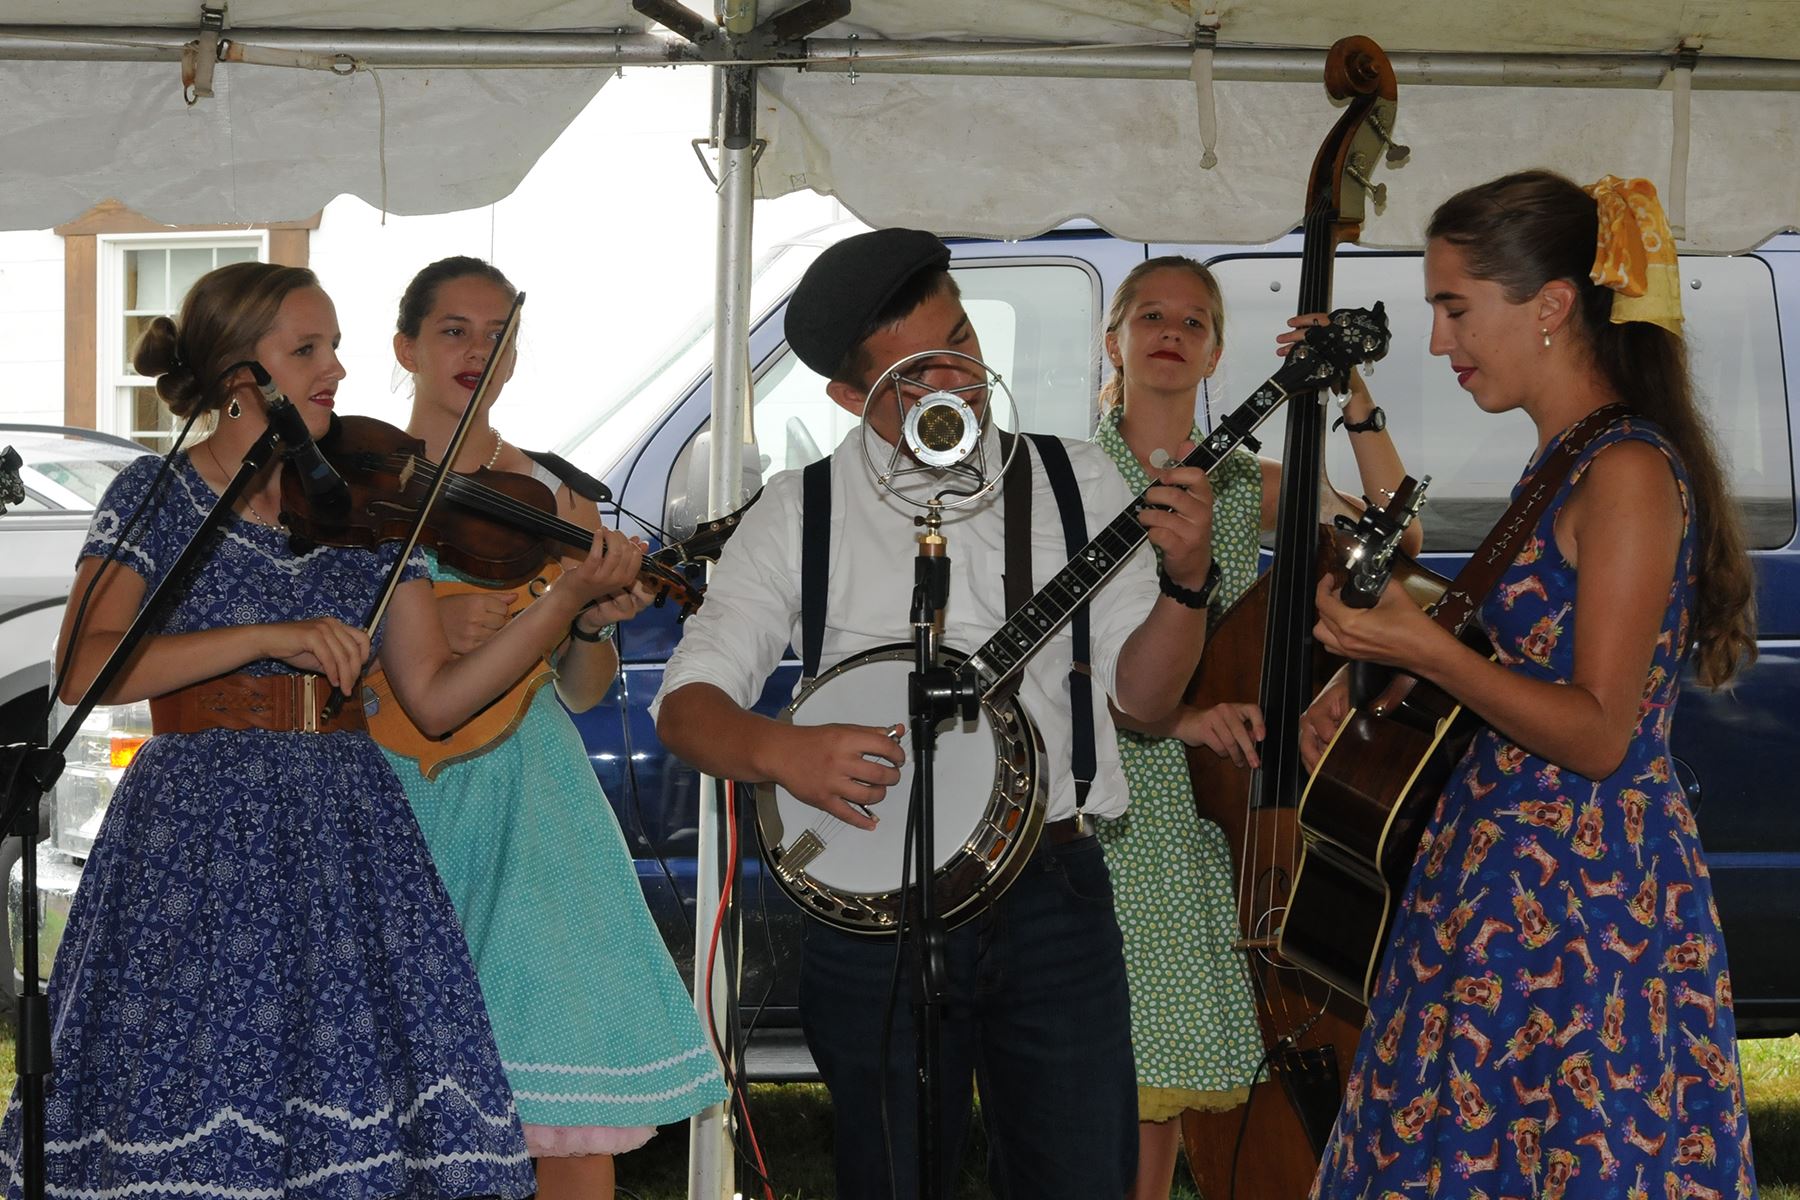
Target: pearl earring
1546,334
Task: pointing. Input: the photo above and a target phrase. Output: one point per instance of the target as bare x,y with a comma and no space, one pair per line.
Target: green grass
793,1122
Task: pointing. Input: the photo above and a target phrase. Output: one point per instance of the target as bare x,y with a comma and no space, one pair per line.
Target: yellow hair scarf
1635,253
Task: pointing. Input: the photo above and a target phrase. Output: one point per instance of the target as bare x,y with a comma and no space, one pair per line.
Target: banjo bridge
795,858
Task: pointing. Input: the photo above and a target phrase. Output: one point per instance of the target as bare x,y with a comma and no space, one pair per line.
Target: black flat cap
847,286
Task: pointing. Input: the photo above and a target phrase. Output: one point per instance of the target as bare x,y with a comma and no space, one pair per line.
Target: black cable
637,797
907,837
1237,1148
68,646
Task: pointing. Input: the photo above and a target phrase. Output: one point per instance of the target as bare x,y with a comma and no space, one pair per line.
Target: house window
143,277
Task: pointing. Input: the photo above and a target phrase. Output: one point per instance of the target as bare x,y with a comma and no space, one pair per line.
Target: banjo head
989,804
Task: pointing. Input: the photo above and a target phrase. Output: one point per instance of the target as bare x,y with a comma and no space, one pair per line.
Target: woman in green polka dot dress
597,1033
1193,1022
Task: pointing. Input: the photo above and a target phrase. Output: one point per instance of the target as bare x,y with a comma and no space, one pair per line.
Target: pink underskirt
573,1141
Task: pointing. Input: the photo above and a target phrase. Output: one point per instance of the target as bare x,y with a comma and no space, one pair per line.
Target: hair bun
158,355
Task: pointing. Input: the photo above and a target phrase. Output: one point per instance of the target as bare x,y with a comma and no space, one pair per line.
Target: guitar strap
1497,551
815,574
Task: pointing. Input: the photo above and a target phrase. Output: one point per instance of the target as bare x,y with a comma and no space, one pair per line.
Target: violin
498,527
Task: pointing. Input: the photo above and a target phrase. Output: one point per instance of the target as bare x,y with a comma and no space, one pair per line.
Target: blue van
1038,305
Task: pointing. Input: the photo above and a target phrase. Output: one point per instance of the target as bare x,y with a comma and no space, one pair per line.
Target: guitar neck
1037,620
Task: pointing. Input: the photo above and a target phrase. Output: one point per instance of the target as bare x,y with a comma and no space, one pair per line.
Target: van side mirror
686,505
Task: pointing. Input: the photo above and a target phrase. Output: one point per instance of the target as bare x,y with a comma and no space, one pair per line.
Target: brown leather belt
281,703
1069,829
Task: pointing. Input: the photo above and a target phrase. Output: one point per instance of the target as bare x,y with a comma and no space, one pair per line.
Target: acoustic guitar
661,572
1365,807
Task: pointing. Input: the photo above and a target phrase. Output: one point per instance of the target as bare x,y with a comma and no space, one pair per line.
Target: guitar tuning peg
1397,154
1379,194
1368,370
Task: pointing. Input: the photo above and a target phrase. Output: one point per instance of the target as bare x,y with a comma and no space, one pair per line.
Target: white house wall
611,235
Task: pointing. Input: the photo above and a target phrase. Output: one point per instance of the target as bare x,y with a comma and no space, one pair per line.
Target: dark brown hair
1525,230
421,293
901,305
1113,390
223,316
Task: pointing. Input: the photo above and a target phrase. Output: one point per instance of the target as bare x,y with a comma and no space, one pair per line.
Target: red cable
712,1025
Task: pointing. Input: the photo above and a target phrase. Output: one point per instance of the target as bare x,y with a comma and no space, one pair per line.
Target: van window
1035,320
1474,459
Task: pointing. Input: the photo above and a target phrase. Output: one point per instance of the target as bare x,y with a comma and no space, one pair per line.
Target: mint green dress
597,1033
1193,1017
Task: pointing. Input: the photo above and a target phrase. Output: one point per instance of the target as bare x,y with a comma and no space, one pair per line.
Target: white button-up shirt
752,609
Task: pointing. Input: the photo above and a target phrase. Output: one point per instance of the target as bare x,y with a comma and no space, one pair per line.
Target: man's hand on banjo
841,769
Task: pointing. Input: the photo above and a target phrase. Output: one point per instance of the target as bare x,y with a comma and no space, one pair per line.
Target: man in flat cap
1037,1008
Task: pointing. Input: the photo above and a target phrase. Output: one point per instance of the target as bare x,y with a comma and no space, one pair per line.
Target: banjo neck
1355,335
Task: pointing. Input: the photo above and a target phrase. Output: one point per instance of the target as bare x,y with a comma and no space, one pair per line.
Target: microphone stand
934,694
30,770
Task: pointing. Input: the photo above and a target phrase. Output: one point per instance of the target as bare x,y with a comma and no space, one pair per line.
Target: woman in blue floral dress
262,989
1553,1016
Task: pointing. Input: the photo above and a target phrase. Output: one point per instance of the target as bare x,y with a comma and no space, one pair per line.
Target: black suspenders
815,574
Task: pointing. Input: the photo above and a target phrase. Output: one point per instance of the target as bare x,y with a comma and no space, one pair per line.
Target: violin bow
440,476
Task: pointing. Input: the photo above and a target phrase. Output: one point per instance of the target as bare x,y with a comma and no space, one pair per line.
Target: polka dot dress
1193,1018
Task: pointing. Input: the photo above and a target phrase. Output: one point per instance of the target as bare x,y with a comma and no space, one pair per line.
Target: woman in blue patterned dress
1553,1016
597,1032
262,989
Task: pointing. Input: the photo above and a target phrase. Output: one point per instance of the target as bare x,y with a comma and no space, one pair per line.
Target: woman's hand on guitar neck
1395,633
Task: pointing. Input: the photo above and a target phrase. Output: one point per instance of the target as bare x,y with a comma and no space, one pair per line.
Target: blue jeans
1037,1015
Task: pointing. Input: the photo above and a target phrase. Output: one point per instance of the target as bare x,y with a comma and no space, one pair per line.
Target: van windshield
620,419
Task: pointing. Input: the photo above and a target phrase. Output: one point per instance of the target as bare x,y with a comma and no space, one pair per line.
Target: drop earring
234,410
1546,334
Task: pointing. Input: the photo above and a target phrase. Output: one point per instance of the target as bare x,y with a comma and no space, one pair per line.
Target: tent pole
554,50
710,1164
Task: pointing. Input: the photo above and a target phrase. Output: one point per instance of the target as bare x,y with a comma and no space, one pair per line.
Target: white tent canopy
899,118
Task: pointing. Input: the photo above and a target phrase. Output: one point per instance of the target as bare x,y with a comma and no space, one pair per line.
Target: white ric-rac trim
229,1115
214,1192
565,1069
610,1098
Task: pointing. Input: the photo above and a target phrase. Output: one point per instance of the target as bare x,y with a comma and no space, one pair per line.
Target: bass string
1315,272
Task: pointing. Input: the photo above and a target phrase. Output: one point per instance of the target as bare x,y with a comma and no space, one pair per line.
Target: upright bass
1263,647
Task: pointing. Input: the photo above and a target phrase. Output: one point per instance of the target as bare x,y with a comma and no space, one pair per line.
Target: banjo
991,778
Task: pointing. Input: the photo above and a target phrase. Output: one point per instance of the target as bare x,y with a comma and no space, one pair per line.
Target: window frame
113,379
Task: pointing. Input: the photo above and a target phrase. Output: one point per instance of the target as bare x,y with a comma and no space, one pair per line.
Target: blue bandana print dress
262,990
1553,1018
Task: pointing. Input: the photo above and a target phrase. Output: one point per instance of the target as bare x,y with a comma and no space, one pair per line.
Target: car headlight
109,738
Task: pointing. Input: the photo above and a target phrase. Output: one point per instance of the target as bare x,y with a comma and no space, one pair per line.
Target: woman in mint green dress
1193,1020
597,1034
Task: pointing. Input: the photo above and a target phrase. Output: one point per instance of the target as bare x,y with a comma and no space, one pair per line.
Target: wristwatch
1190,597
1375,422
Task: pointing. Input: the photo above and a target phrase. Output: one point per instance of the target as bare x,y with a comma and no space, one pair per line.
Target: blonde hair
1112,392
